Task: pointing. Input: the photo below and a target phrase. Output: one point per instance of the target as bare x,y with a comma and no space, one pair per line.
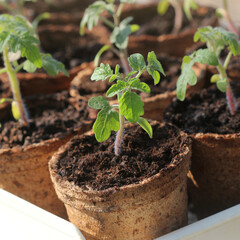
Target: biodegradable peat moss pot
25,152
215,168
212,118
139,195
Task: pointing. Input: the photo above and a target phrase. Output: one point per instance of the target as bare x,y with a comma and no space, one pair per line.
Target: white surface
21,220
221,226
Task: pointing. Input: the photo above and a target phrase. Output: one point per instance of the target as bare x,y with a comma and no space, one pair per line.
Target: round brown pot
151,208
24,169
214,183
215,171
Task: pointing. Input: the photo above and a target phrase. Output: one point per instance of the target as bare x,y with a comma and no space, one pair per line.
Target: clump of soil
50,117
205,112
89,163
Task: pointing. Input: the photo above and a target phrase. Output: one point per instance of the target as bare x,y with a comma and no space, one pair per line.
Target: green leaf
137,62
163,6
215,78
113,77
188,76
140,86
102,72
217,39
131,106
3,100
117,69
134,27
222,85
52,66
154,67
187,6
116,88
107,121
99,54
15,110
120,35
98,102
146,126
92,14
29,67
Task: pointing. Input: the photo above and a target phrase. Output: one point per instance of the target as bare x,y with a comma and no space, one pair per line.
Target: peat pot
24,167
125,205
215,168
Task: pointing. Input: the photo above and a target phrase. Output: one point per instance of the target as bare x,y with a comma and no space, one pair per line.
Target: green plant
217,39
120,29
18,39
163,6
130,105
18,7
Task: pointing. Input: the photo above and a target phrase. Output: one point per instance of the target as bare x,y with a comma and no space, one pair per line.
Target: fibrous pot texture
25,152
125,197
215,168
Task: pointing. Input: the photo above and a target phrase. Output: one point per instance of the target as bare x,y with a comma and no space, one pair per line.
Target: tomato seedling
130,105
217,39
19,47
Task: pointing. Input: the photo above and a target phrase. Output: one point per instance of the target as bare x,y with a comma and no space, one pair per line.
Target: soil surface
157,25
50,116
205,112
93,165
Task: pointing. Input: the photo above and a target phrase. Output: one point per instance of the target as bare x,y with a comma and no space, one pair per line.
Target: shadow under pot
154,103
139,195
25,151
214,183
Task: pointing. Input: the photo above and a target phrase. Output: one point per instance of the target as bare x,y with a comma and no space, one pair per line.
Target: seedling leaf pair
129,104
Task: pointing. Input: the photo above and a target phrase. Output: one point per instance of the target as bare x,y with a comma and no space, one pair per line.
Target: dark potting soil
157,25
93,165
205,112
50,116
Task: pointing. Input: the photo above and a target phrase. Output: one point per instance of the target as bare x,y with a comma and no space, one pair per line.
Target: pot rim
70,185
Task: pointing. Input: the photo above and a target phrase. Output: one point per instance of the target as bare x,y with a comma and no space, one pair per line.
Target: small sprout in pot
217,39
130,106
18,40
163,6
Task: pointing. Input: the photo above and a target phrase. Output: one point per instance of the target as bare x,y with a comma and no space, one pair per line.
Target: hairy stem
229,94
15,86
178,16
119,136
107,22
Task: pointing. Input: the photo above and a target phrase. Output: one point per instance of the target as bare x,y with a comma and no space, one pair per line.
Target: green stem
227,60
118,140
229,94
3,70
107,22
15,86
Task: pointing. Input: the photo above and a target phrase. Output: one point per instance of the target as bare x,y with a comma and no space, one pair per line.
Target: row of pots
170,181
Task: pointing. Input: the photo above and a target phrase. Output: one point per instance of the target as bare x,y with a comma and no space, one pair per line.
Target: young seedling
163,6
18,39
18,9
130,105
216,39
120,29
224,12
